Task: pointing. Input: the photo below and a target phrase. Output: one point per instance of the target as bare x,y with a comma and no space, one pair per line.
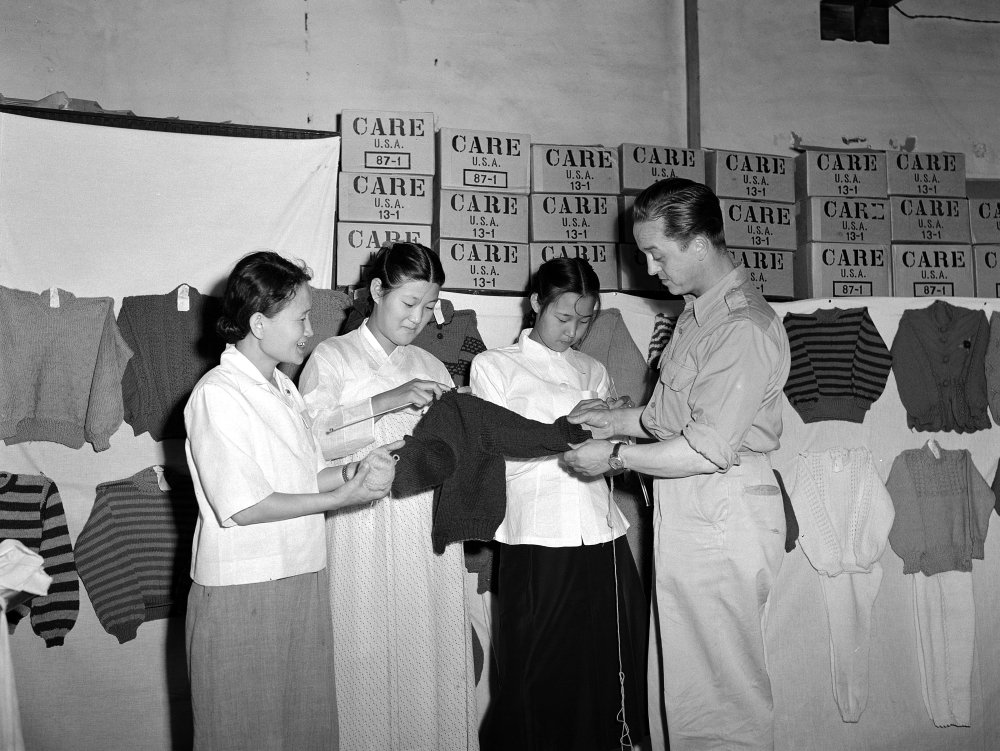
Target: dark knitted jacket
939,359
458,448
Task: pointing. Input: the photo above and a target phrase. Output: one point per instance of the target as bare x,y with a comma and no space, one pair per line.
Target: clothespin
934,447
438,313
161,480
183,298
53,297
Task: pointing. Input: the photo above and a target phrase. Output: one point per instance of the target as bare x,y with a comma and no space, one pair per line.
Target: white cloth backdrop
104,211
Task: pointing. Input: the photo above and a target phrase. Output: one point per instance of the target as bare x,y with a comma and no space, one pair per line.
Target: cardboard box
358,242
849,174
771,271
603,258
832,269
986,266
843,220
632,272
574,169
932,271
984,220
922,219
625,220
644,164
925,173
758,177
484,266
379,197
759,224
387,141
574,217
473,215
484,160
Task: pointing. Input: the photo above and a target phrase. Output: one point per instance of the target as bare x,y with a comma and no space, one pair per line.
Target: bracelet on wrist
343,473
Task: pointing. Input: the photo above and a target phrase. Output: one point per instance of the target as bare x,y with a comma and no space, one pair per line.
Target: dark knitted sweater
31,511
134,552
840,364
172,349
458,448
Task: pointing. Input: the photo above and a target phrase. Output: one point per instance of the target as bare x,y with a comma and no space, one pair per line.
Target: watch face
616,463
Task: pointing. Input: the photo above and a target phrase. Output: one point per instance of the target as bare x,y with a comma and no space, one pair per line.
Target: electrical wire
949,18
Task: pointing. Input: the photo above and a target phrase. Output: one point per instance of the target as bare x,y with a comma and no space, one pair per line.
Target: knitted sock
849,599
945,615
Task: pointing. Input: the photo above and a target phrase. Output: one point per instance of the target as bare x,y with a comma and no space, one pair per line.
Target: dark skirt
555,681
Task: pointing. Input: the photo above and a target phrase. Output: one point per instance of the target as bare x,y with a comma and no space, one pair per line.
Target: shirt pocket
677,376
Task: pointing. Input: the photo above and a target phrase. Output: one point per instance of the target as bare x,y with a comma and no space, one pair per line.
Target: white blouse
245,440
546,504
342,375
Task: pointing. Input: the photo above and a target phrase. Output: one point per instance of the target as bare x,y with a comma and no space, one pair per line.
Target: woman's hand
417,392
358,490
380,469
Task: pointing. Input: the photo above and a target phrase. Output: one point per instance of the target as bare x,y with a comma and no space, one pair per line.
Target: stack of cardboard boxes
757,193
641,166
843,225
929,218
386,186
984,221
575,207
481,228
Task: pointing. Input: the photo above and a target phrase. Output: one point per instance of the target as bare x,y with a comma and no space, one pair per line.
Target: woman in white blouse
568,607
259,643
403,651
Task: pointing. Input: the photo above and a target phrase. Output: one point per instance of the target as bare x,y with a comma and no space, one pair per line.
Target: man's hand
597,418
589,458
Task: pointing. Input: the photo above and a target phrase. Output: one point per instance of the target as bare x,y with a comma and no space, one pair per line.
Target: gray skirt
260,660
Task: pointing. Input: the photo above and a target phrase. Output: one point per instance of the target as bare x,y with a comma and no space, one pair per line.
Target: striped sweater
32,513
840,364
135,550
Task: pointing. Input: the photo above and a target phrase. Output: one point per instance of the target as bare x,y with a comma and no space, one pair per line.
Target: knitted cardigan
943,510
843,510
134,552
992,365
458,448
839,366
61,369
32,513
608,341
172,350
938,357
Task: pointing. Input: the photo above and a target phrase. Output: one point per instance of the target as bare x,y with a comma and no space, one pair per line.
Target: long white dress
402,642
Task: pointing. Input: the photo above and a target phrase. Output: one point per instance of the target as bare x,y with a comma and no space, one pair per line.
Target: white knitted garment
844,514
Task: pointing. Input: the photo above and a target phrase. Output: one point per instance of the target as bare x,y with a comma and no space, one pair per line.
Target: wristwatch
615,461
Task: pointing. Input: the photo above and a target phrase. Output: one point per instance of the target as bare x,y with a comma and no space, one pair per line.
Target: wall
765,74
563,70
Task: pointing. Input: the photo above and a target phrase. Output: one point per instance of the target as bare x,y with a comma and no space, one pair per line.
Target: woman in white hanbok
402,640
